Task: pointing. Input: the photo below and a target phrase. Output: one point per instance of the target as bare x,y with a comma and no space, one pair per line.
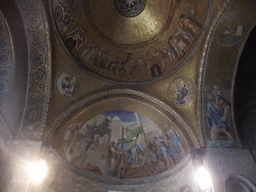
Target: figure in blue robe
216,122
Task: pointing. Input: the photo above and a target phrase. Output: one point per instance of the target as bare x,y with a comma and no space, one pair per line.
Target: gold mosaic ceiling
129,41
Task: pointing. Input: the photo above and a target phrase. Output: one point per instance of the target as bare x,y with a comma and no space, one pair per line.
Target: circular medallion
68,84
37,39
130,8
37,59
33,20
38,77
230,34
34,114
181,91
35,95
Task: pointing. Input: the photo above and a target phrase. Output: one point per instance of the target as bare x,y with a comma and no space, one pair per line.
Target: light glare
37,171
203,178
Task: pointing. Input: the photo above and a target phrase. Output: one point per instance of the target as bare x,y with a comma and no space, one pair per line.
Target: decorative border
6,53
38,90
124,12
203,70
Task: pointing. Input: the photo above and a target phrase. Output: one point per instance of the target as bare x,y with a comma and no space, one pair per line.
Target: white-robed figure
69,135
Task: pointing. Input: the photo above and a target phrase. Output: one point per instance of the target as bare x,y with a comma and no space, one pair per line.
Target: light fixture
37,171
203,178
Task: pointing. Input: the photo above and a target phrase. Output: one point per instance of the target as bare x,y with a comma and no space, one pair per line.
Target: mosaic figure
216,115
176,143
230,34
84,144
186,35
190,23
67,21
66,84
96,59
69,136
164,147
89,53
133,68
181,91
140,62
114,65
178,46
118,67
169,52
114,158
162,58
76,39
103,60
122,65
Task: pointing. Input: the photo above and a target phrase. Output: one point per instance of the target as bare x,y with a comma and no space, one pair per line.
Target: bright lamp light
203,178
37,171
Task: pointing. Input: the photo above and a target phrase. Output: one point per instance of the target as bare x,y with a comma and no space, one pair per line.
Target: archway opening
245,94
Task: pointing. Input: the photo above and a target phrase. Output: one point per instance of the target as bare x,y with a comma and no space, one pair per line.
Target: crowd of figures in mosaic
125,65
122,144
6,65
63,180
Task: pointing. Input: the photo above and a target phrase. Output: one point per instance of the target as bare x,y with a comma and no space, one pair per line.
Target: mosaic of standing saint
121,144
127,41
218,123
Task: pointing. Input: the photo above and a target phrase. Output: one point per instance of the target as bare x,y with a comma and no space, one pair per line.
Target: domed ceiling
129,41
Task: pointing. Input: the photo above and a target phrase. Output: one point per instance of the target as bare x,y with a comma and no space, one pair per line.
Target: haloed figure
217,111
182,92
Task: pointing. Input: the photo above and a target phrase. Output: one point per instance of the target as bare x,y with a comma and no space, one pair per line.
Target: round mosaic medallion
130,8
230,33
68,84
181,91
